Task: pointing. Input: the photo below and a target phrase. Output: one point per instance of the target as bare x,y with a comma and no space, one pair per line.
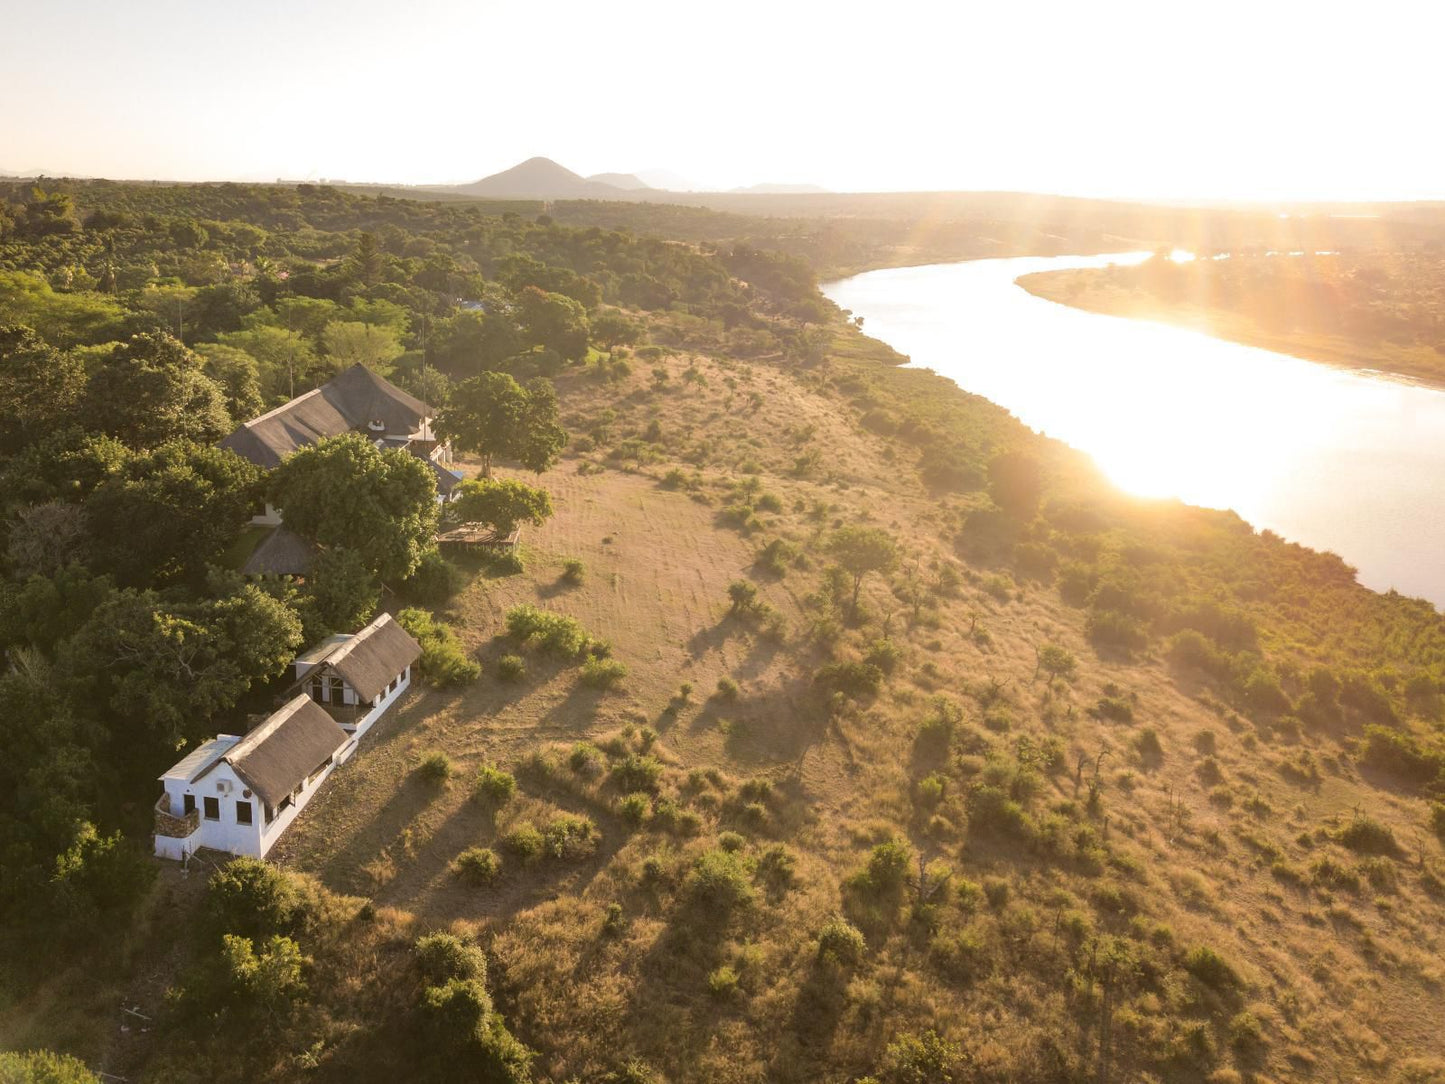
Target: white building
239,793
357,676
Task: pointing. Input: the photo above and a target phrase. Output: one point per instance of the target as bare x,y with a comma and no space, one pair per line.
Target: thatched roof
278,754
370,660
283,552
350,400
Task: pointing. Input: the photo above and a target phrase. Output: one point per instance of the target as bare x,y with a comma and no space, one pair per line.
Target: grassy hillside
1082,786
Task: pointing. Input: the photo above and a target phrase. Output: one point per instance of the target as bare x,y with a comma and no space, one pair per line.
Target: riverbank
1096,290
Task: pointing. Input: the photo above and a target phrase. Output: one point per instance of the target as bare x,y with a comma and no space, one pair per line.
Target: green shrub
573,571
569,836
511,668
494,786
963,956
553,633
1114,708
442,956
930,790
635,807
443,661
743,596
776,556
855,679
43,1067
883,654
720,882
922,1059
1210,968
722,983
731,841
1148,744
478,865
524,842
777,867
267,977
434,582
840,942
727,689
1364,835
602,673
887,870
253,898
637,773
435,767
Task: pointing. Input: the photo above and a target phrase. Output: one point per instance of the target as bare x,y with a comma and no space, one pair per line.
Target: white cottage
357,676
239,793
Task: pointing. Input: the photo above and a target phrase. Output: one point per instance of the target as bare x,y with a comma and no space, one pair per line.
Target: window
335,687
213,808
316,689
190,803
270,814
243,812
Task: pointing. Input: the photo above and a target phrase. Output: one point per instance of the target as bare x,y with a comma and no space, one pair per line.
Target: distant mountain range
542,178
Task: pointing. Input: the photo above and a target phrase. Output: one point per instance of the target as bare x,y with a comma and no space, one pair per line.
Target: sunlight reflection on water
1338,460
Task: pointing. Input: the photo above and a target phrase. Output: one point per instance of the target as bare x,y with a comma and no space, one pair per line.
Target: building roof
200,759
278,754
369,660
447,480
283,552
350,400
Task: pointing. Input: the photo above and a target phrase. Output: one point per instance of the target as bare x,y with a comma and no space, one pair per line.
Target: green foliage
270,978
442,956
342,590
494,786
151,390
346,492
524,841
1365,835
434,582
496,417
1210,968
435,767
720,883
573,571
43,1067
569,836
250,897
500,504
857,679
923,1059
553,633
743,596
40,387
861,550
840,942
443,660
602,673
1015,482
478,865
511,668
635,773
883,654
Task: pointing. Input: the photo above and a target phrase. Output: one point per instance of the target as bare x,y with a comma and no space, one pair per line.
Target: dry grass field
1162,821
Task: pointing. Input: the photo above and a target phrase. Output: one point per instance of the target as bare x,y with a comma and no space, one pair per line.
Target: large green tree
170,511
39,387
554,321
861,550
500,504
346,492
152,389
495,417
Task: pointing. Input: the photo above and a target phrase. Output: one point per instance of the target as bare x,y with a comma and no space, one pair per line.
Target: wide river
1339,460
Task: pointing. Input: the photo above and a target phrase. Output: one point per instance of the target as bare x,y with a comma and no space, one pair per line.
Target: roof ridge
252,738
287,405
358,637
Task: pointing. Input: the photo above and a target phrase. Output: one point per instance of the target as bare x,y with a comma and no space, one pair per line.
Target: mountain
669,181
781,189
541,178
628,181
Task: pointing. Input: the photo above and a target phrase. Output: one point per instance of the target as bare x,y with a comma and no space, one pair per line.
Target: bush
856,679
637,773
1113,708
569,836
840,942
602,673
722,983
43,1067
1210,968
494,786
727,689
925,1059
265,978
478,865
887,868
573,571
511,668
930,790
732,841
555,634
634,808
1364,835
777,867
442,956
434,582
442,659
252,898
435,767
883,654
1403,756
524,842
743,596
720,882
1147,742
776,556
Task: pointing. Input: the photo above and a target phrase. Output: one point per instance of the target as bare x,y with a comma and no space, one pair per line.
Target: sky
1262,99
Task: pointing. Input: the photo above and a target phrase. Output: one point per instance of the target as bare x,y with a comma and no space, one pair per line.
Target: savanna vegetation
828,724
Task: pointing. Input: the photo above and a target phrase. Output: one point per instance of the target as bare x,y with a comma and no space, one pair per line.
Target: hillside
871,735
542,178
1361,308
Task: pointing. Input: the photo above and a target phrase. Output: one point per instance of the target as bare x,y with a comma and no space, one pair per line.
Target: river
1339,460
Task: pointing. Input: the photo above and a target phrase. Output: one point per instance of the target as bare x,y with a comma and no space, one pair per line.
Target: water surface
1339,460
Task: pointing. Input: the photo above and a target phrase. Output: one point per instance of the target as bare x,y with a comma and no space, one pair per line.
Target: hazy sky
1164,98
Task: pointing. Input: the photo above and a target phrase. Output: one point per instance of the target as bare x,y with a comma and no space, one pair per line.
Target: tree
171,510
342,590
500,504
45,537
239,374
612,329
151,390
286,359
368,261
1055,661
473,342
44,1067
345,492
495,416
162,669
39,387
861,550
553,321
1015,482
351,342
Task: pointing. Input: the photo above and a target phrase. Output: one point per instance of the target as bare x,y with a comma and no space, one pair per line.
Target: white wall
225,834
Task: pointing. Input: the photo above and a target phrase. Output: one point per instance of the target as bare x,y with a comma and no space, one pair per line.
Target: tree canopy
501,504
495,417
